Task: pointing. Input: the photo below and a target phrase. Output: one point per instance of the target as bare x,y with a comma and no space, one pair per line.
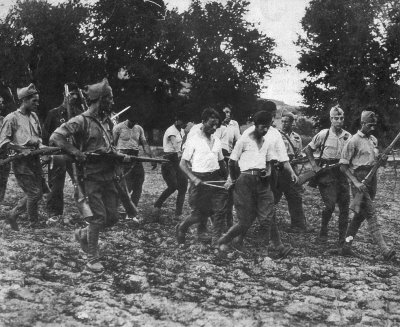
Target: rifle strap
290,142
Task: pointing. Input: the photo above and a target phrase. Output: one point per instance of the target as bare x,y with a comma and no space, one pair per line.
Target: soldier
4,169
333,185
21,132
174,177
91,133
253,196
59,163
203,152
358,157
292,191
128,136
228,133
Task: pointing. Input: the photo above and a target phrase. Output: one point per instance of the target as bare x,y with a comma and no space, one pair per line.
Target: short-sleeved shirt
295,140
128,138
334,143
250,156
167,142
90,135
21,129
228,135
360,150
202,158
273,136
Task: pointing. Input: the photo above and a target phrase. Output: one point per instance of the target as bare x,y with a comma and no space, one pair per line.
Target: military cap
288,114
26,91
336,111
368,117
96,91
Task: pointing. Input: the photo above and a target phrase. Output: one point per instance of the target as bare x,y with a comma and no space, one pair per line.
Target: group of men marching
250,171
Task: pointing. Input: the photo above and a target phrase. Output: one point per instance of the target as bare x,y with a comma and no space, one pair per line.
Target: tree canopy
350,50
158,60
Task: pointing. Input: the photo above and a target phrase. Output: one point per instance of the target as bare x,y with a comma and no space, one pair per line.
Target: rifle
38,152
359,196
303,178
122,158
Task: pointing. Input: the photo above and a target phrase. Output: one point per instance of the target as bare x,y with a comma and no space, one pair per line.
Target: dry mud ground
149,281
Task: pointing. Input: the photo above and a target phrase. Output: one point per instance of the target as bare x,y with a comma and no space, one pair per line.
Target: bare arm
310,156
289,170
61,141
185,168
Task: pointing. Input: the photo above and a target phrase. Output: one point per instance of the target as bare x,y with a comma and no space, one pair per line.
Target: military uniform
333,184
24,130
361,154
292,191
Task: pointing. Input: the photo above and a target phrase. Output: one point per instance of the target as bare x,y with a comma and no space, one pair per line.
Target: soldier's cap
336,111
96,91
26,91
288,114
368,117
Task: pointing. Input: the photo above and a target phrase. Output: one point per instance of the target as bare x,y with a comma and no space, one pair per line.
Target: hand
229,184
316,168
126,158
80,156
25,151
360,187
294,178
153,165
196,181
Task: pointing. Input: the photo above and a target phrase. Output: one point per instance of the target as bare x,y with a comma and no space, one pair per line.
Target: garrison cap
96,91
368,117
26,91
288,114
336,111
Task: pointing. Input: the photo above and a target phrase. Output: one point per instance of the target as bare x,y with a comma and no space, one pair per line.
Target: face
227,112
179,124
337,121
210,126
368,128
106,104
287,123
74,98
32,103
261,130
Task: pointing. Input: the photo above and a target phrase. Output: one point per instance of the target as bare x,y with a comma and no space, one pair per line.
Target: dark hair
72,86
265,105
209,113
28,97
181,115
262,118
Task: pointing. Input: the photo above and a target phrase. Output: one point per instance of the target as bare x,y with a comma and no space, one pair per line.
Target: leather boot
93,263
12,220
81,237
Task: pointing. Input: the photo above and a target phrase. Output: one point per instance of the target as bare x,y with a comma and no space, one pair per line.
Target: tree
42,43
347,55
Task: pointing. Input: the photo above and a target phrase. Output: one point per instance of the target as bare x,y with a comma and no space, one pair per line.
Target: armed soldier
359,155
174,177
333,184
59,164
4,169
128,136
91,133
21,132
203,152
292,191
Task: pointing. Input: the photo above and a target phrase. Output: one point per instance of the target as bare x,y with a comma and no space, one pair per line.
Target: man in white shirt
174,177
253,196
228,133
203,152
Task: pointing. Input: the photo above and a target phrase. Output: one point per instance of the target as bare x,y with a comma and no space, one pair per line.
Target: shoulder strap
323,145
102,128
290,142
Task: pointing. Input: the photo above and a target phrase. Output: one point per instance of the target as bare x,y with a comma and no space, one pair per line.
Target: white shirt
167,143
249,156
278,152
228,135
203,159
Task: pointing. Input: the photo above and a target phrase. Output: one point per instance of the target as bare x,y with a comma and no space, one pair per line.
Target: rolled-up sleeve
237,150
280,149
189,150
316,141
6,131
72,127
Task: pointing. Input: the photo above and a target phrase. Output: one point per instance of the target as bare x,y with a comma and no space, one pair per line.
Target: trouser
334,188
28,173
176,180
205,201
367,211
253,198
293,195
4,173
103,201
57,172
229,203
134,176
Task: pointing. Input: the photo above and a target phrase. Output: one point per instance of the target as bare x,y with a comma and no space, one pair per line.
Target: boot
93,263
12,220
346,249
81,237
180,234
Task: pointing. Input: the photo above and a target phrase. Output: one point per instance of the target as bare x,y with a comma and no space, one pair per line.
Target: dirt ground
149,281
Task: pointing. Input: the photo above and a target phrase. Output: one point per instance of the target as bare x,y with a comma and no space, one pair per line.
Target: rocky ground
149,281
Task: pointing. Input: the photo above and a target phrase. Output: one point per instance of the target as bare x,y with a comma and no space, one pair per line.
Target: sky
278,19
